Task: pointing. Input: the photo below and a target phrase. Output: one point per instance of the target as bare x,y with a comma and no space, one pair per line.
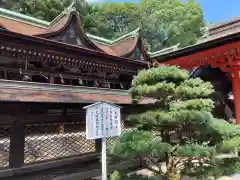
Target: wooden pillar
98,145
51,79
26,77
5,73
17,137
236,93
17,142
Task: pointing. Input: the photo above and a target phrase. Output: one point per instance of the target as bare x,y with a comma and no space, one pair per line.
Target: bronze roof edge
219,25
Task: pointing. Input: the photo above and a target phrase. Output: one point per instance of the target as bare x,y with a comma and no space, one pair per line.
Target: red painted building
218,50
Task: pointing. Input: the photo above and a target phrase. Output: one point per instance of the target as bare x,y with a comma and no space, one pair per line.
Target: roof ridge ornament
164,50
135,32
70,8
205,31
66,11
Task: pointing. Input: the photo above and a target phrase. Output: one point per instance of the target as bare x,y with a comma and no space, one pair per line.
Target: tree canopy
177,135
163,23
175,20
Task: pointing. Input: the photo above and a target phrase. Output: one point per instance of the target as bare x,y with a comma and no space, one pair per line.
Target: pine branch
194,104
155,163
154,75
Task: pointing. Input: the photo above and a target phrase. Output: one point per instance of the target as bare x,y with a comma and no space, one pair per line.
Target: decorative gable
137,54
70,35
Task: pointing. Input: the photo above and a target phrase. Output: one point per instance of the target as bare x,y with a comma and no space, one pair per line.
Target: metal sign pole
103,120
104,158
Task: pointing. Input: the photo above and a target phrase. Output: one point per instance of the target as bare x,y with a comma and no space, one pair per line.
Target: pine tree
176,135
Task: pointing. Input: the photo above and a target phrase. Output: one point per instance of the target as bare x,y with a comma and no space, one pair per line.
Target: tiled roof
215,31
224,23
23,18
20,27
105,41
122,48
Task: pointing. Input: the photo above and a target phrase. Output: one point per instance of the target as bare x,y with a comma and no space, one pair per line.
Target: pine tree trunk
173,176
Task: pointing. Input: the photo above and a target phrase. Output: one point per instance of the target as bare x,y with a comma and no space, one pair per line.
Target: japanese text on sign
103,120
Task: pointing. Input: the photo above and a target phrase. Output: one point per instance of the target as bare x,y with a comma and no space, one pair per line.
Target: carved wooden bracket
224,57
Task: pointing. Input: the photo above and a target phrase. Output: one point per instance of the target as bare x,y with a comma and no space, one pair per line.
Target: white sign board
102,120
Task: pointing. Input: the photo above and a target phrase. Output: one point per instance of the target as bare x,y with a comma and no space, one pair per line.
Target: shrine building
60,52
215,58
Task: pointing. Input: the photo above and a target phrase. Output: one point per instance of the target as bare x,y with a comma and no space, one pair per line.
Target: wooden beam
43,118
35,44
69,75
29,172
69,59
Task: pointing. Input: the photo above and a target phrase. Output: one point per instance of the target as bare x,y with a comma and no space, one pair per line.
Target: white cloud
95,1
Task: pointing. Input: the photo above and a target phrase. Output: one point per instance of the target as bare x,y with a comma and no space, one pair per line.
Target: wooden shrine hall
60,52
216,58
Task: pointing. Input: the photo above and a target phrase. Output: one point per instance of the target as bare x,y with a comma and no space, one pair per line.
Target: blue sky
220,10
214,10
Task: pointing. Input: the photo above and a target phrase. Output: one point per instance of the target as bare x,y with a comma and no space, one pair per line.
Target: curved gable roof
124,46
26,25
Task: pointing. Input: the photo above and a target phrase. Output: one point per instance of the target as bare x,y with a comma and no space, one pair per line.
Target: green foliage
166,23
131,144
117,176
121,18
155,75
161,82
227,167
154,91
189,137
195,151
42,9
195,104
233,143
194,88
219,167
163,118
